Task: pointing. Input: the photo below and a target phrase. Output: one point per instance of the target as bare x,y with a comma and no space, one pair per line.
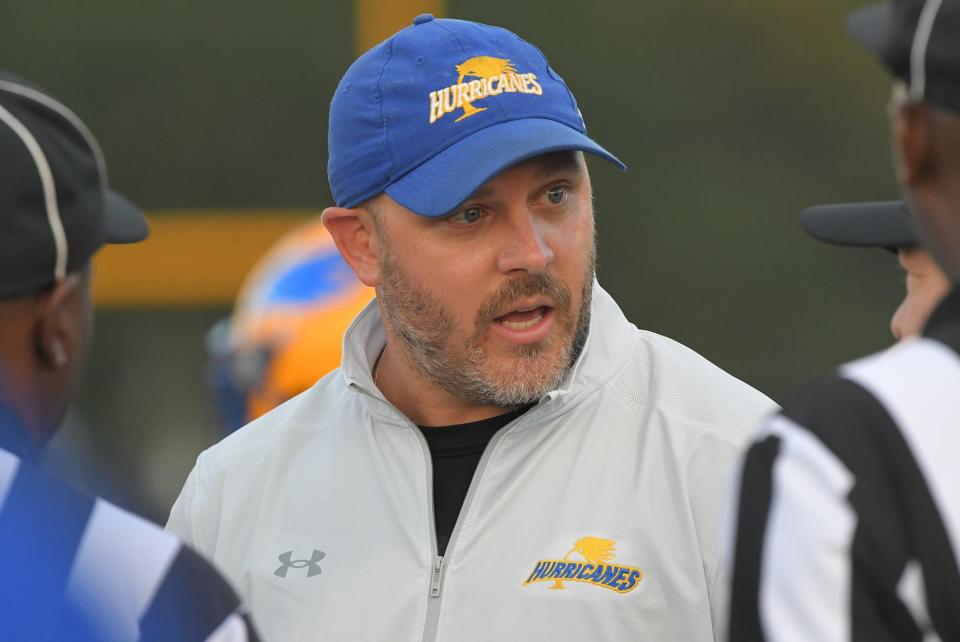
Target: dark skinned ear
56,335
915,153
355,235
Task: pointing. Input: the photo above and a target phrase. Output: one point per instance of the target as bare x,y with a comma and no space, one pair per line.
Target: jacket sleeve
711,465
185,516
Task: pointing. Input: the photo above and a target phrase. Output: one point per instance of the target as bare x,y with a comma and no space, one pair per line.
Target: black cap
918,42
881,224
55,207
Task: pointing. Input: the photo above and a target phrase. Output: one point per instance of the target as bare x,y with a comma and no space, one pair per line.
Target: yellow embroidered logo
495,76
596,570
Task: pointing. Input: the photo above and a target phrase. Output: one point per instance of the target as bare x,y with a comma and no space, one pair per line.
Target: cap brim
125,223
880,224
871,27
440,184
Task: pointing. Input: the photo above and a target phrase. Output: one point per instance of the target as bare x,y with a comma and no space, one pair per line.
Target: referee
72,566
849,507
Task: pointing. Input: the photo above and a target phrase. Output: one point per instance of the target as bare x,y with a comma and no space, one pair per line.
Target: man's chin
526,379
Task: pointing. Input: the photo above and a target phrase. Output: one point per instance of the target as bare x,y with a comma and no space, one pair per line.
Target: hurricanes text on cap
438,109
55,208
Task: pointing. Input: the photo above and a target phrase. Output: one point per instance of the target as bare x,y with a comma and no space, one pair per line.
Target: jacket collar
606,342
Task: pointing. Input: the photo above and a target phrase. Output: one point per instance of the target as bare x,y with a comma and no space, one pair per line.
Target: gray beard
424,327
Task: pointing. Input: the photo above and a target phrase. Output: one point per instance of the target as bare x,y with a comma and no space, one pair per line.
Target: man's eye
469,215
557,194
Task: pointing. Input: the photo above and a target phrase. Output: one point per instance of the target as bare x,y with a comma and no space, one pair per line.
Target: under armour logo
310,564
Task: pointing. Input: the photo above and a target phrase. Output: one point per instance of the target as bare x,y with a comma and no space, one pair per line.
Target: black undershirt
455,452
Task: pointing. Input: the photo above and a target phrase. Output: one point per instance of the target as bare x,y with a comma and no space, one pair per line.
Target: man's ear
355,235
57,340
915,152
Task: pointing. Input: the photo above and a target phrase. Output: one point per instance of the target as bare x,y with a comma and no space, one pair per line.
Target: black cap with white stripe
55,207
919,42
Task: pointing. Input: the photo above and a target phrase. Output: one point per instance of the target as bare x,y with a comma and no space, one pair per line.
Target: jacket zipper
432,619
436,573
439,571
436,582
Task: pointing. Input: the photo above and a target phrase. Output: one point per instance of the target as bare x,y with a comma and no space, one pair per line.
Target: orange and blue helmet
286,330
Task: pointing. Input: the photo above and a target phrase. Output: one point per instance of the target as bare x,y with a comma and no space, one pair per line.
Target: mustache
525,286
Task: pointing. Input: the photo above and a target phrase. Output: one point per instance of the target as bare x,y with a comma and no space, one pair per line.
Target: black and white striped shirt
74,567
849,503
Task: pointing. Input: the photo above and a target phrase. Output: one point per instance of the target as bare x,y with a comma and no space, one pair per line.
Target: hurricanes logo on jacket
597,569
494,76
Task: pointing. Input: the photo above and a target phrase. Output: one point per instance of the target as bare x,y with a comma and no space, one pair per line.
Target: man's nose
526,247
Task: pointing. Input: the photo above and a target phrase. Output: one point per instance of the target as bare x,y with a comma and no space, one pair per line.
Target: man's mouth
525,318
525,323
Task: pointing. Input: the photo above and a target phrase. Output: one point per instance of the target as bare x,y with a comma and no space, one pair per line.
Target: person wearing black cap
885,224
849,504
72,566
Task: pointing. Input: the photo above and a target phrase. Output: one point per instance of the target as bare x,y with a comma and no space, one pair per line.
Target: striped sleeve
797,540
119,576
217,615
830,505
918,385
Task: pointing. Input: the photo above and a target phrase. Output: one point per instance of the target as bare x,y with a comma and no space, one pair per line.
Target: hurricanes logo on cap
598,568
496,76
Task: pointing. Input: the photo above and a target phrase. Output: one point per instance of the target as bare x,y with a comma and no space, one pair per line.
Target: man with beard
502,455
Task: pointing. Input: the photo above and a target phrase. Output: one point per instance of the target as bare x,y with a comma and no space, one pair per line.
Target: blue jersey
74,567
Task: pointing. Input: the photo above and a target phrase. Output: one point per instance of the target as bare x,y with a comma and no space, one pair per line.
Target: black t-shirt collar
468,437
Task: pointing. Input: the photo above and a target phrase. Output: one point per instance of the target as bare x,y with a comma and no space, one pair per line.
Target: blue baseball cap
438,109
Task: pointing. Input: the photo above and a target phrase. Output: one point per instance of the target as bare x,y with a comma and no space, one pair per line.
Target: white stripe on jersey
124,578
805,582
911,591
9,464
233,629
918,384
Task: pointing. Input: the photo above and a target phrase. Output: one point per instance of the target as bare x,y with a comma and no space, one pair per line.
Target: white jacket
321,512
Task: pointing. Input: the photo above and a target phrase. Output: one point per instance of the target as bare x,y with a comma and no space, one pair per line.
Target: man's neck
18,393
424,403
15,433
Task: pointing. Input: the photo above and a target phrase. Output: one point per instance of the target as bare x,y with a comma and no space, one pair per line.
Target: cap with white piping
918,42
55,207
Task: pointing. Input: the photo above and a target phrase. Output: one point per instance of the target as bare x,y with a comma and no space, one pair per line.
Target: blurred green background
732,117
